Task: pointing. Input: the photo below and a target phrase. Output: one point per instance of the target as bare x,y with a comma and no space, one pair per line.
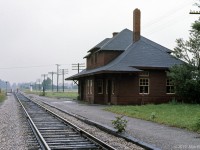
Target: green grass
67,94
72,95
179,115
2,97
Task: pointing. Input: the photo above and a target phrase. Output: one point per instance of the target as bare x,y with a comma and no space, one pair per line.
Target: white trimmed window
144,74
144,85
169,87
100,86
106,86
113,86
90,86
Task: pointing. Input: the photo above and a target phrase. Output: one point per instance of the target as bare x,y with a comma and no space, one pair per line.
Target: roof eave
151,67
100,72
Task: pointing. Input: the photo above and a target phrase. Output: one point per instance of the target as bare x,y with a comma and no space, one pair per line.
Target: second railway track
54,132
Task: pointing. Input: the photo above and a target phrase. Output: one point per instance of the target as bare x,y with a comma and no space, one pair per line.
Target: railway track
55,132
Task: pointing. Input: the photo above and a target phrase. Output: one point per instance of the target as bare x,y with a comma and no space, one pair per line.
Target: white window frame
88,86
170,85
106,87
91,86
113,87
143,84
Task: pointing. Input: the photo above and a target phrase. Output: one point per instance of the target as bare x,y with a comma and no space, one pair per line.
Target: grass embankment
178,115
2,97
67,94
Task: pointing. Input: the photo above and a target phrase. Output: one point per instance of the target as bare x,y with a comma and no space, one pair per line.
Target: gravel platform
160,136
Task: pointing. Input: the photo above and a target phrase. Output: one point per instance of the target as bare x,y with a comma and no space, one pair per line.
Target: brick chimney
136,25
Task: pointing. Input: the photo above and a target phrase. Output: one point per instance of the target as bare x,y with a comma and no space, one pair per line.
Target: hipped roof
136,55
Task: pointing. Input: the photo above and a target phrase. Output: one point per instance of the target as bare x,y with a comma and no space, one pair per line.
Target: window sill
144,93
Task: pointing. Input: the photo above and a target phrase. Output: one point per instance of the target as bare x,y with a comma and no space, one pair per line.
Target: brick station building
127,69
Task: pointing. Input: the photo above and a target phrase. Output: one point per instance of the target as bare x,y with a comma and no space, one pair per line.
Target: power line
23,67
27,67
165,16
78,66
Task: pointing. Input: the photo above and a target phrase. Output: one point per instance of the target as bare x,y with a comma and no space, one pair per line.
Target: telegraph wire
170,13
24,67
27,67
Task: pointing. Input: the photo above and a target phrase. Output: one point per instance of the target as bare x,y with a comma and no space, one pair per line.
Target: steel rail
81,131
37,133
78,129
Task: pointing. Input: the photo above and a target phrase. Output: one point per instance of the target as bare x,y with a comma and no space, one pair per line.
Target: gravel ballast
157,135
11,131
15,132
116,142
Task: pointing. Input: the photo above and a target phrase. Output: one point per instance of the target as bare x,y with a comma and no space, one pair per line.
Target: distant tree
47,83
186,77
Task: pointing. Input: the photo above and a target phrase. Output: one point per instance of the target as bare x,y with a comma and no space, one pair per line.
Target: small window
144,85
95,57
144,74
92,59
169,87
100,86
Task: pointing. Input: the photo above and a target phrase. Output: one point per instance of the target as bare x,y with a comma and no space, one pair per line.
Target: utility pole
78,66
38,80
52,73
44,75
6,87
0,86
57,75
64,71
36,86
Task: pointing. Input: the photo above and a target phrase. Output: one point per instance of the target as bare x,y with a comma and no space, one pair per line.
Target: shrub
173,102
197,124
119,123
186,81
153,116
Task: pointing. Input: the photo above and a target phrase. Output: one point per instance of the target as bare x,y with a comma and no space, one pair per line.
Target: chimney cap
115,33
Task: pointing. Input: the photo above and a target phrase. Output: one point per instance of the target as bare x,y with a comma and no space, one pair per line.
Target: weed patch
119,124
178,115
2,97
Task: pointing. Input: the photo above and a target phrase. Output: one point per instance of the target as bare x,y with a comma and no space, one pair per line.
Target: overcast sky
37,34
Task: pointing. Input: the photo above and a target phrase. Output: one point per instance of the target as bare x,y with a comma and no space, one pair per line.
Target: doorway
109,90
82,90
